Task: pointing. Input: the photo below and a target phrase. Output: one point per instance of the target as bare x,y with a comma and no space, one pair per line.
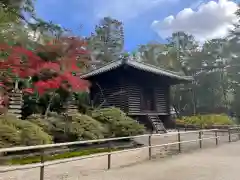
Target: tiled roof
107,67
138,65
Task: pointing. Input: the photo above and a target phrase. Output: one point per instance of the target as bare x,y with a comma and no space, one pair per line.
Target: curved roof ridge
138,65
156,67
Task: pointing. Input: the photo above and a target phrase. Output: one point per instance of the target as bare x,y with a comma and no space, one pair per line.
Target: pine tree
107,43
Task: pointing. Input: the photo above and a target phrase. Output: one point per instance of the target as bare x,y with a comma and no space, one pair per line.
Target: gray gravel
210,163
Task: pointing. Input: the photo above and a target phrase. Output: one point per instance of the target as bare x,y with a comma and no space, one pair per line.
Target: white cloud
126,9
209,20
196,4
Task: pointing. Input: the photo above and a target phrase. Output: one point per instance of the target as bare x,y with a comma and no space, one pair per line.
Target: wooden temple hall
140,90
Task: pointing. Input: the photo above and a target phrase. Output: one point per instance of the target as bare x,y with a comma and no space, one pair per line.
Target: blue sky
137,15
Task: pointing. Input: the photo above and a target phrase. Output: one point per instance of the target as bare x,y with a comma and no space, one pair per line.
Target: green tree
231,47
107,43
23,13
210,86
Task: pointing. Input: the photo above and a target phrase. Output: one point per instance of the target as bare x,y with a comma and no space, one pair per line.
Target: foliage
206,120
15,132
45,74
24,11
84,127
57,65
117,123
211,65
63,60
108,122
45,66
83,102
107,43
46,124
159,55
71,128
9,136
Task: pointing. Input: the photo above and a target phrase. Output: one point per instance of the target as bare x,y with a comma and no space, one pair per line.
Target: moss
36,159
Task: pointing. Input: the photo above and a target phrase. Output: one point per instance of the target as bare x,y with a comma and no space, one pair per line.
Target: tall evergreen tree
107,42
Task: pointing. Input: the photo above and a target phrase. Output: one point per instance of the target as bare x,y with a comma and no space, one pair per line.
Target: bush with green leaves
117,123
206,120
107,122
9,136
15,132
69,128
46,124
85,127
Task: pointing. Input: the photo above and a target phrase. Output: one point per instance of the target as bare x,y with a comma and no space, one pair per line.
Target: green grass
37,159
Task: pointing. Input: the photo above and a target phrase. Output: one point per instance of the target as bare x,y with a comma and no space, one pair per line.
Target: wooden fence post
238,133
200,139
42,165
179,141
229,135
216,136
150,147
109,154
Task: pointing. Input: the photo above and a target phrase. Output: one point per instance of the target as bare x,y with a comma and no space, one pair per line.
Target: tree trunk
49,106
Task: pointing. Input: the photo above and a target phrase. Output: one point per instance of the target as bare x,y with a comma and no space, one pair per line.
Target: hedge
206,120
73,128
15,132
35,130
117,123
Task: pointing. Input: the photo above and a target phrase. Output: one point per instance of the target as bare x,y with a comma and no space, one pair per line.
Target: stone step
15,106
159,126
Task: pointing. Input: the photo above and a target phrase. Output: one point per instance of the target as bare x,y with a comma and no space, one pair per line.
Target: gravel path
209,164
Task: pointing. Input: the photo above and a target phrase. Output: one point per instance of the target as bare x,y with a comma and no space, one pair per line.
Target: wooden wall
124,88
109,96
162,99
134,98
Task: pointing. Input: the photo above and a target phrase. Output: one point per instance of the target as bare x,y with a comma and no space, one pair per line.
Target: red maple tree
53,65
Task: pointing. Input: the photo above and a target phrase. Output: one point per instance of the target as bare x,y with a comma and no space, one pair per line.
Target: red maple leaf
66,52
28,90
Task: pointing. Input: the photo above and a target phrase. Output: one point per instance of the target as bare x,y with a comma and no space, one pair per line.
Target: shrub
117,123
14,132
34,135
108,122
45,124
206,120
86,127
71,128
53,125
9,136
